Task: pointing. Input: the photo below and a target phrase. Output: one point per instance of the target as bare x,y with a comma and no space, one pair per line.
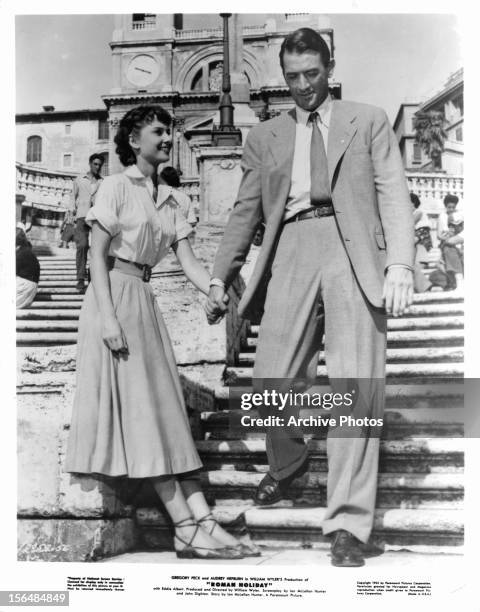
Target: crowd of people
449,268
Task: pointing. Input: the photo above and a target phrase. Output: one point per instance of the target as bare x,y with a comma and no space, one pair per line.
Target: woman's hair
131,123
170,176
21,239
414,199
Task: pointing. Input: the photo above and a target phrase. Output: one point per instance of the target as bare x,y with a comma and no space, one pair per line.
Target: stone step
57,277
44,314
424,456
48,296
51,291
302,527
393,491
441,297
46,326
420,323
394,355
398,423
57,284
396,372
420,337
73,304
44,339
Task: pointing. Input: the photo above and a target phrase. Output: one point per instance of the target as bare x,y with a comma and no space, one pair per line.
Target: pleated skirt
129,416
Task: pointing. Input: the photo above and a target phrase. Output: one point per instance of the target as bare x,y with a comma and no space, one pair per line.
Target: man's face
307,78
450,208
95,167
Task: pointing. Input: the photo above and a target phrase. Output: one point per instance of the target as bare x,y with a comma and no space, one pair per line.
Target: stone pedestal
220,175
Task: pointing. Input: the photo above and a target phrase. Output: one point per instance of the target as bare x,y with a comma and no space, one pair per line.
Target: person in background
423,244
67,230
450,234
83,196
27,270
169,180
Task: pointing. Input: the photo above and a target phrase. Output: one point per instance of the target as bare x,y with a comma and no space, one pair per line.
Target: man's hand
398,290
216,305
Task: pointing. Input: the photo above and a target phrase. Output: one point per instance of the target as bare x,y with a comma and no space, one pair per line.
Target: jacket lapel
340,133
282,139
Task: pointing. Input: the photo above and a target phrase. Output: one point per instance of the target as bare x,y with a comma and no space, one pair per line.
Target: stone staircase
420,488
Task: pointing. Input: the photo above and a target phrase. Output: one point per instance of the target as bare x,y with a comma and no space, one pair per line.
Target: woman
129,416
27,270
423,244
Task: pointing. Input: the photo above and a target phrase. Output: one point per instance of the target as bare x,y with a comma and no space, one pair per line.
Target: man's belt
144,268
323,210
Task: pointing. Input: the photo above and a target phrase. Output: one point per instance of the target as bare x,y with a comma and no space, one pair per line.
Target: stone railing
144,25
191,186
215,32
44,189
432,187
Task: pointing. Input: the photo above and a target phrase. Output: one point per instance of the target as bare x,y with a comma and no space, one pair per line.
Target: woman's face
153,143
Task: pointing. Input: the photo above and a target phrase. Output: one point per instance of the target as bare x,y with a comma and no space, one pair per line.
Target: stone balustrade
215,32
432,187
191,186
44,189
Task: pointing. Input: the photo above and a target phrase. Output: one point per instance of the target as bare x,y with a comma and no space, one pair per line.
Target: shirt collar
324,110
135,172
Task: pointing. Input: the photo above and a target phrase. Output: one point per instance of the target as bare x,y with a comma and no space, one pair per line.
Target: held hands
398,290
113,336
216,305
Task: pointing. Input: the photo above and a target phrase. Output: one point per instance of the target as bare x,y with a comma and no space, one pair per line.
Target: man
338,244
83,194
450,234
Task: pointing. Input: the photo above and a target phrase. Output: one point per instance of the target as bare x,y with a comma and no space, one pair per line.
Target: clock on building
143,70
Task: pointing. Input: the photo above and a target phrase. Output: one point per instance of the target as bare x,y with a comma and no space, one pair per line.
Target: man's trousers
81,234
313,291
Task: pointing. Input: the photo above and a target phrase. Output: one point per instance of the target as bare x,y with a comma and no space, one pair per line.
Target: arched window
209,77
34,149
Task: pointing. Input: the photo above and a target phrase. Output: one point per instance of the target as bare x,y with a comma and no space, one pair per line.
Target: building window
459,134
144,21
417,152
103,131
105,170
67,160
34,149
68,129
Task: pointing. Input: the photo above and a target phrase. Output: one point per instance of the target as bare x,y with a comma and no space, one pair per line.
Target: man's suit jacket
369,193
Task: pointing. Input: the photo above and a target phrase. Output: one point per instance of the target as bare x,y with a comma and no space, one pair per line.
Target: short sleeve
107,205
182,227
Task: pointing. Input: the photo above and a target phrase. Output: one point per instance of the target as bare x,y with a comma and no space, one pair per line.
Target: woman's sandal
193,552
244,549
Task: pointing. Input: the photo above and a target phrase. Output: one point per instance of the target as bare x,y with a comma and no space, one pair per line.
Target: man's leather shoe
268,492
346,550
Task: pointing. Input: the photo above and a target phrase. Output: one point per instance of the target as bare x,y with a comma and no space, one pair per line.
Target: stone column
244,115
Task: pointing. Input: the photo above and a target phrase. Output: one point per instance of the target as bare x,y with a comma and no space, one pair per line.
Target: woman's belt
143,271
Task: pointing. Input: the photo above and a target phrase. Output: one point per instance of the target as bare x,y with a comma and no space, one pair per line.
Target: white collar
324,111
135,172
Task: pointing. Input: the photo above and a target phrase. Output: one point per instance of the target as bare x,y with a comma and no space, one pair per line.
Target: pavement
392,559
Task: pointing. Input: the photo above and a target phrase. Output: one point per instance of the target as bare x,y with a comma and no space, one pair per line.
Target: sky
382,59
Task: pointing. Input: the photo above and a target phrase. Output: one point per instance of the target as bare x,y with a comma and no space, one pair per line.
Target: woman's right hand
113,336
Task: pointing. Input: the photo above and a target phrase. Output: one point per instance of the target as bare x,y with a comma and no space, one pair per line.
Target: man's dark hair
414,199
170,176
96,156
450,199
21,239
302,40
131,123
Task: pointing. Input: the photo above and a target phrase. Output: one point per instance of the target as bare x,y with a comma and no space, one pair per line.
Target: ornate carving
215,78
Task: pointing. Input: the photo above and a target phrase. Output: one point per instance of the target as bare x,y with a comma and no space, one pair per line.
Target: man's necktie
320,183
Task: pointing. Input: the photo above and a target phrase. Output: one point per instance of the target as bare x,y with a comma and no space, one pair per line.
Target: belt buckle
147,273
317,211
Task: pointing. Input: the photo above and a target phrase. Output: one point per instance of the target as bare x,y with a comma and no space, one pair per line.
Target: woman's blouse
27,265
142,229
